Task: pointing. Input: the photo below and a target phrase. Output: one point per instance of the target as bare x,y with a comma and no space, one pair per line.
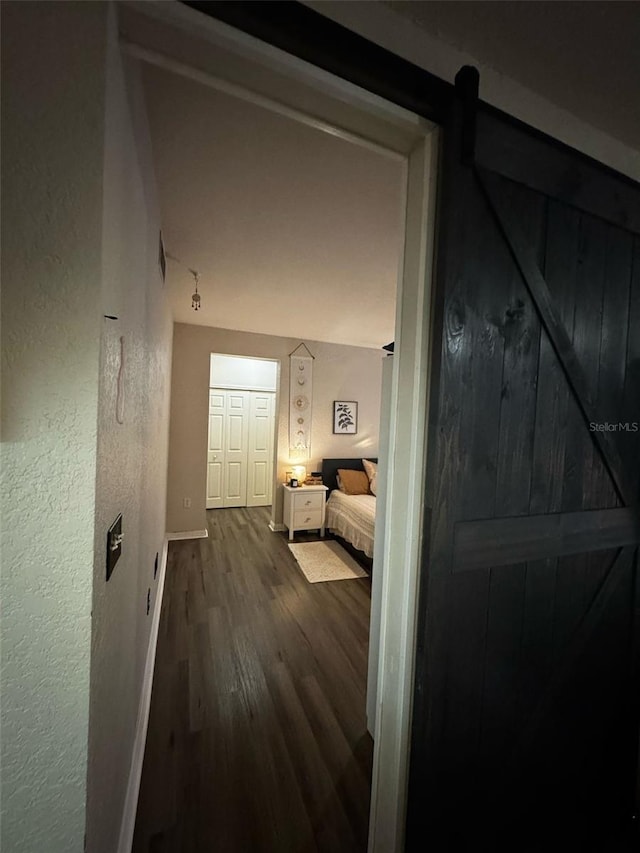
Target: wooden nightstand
304,508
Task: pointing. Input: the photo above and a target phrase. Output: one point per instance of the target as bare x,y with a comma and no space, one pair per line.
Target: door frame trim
405,506
405,495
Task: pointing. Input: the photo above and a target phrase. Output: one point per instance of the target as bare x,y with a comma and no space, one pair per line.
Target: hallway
257,735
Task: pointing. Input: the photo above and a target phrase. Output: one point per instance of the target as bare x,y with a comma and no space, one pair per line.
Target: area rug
325,561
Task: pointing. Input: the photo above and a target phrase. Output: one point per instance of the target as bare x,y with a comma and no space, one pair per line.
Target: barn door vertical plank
548,464
502,664
610,725
634,682
600,490
613,345
520,328
549,450
561,246
588,337
587,329
588,260
630,408
630,450
536,651
549,453
475,373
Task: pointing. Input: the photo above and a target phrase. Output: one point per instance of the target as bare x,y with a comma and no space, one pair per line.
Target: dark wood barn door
525,728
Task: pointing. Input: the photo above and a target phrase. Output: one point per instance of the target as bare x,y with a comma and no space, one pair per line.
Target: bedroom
295,232
320,268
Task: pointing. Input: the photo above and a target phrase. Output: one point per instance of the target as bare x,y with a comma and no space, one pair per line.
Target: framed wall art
345,417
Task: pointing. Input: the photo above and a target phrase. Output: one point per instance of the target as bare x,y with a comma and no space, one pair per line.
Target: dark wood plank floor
257,737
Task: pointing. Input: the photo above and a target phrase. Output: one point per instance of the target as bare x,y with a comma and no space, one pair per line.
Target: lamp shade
300,473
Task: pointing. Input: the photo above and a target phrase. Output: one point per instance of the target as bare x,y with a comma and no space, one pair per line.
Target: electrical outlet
155,566
186,503
148,600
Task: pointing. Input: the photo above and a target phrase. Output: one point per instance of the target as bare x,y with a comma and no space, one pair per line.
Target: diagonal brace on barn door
567,663
539,291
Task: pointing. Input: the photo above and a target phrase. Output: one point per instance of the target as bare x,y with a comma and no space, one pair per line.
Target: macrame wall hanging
300,402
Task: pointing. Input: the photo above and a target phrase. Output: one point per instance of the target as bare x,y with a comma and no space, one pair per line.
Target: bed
350,517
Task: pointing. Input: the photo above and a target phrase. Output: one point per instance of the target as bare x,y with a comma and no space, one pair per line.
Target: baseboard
188,534
276,528
135,773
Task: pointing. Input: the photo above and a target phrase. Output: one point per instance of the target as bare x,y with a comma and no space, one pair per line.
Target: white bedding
353,518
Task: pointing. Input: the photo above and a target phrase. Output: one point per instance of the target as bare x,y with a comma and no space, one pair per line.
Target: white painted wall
250,374
381,25
339,373
131,459
53,98
79,234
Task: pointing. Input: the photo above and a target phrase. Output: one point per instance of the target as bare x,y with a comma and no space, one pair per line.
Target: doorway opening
230,62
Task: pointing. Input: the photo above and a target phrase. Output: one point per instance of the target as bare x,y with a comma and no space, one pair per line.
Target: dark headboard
330,469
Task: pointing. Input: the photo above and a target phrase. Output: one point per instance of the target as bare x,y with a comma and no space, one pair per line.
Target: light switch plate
114,545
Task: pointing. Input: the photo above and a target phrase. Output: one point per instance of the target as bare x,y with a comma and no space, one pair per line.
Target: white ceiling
293,231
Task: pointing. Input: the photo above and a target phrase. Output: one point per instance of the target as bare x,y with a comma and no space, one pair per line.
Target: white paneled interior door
235,446
240,453
260,461
215,451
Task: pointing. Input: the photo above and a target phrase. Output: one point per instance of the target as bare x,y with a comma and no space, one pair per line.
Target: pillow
353,482
372,473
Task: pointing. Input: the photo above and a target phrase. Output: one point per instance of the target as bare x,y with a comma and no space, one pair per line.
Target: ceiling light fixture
195,296
196,299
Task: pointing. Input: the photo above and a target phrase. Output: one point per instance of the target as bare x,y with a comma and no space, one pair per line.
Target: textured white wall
52,143
132,456
339,373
